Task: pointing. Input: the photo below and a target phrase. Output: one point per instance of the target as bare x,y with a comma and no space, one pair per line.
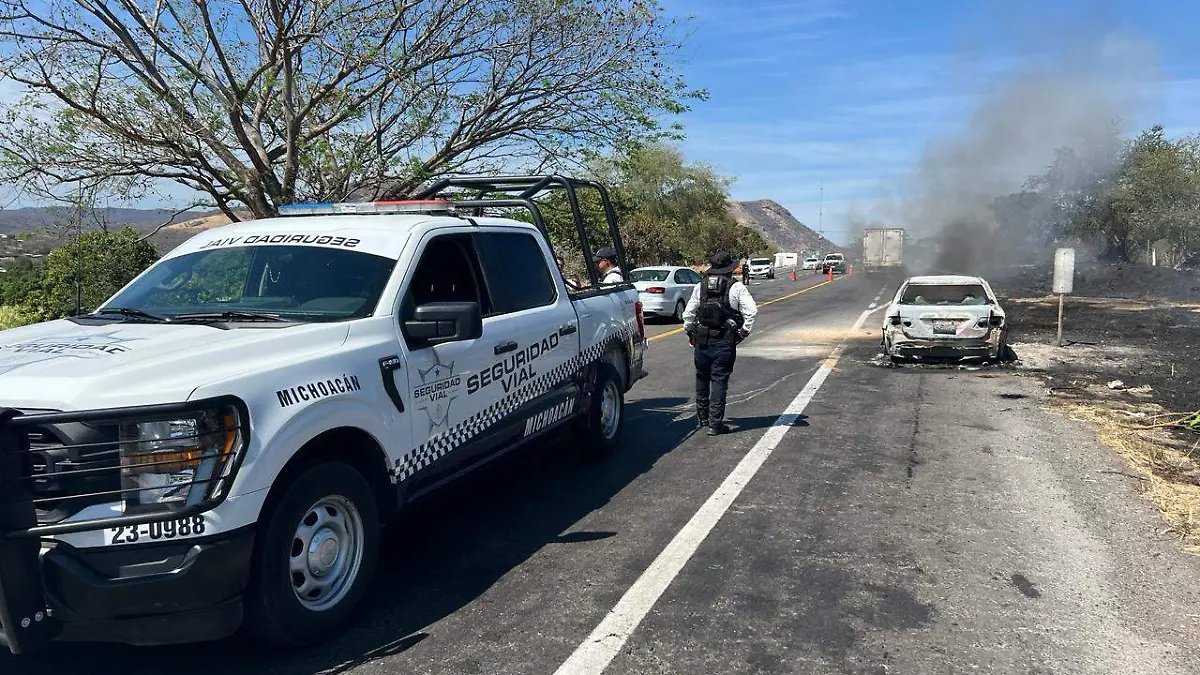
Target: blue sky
849,93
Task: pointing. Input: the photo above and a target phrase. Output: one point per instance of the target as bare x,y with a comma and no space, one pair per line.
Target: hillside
779,226
38,230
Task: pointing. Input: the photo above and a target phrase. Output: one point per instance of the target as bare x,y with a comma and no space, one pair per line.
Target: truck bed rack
522,191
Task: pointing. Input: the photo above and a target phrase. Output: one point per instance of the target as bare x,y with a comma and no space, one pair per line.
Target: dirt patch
1101,280
1128,366
1162,456
1140,343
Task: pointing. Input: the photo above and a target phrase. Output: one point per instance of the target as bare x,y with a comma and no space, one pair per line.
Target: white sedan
810,264
664,291
945,317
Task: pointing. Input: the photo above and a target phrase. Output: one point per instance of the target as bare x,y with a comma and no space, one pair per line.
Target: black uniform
715,327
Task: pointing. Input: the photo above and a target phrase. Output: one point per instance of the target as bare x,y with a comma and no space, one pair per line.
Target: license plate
944,327
183,528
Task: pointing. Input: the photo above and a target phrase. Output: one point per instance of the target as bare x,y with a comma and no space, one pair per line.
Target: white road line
862,318
606,641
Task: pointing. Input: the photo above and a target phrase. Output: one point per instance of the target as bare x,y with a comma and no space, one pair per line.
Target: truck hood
63,365
918,321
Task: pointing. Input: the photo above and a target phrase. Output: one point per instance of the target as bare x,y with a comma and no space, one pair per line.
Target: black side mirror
438,322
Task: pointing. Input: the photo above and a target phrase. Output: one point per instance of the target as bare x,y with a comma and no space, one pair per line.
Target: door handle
567,329
505,347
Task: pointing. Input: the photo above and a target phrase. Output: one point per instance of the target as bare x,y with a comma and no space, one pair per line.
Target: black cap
606,253
721,263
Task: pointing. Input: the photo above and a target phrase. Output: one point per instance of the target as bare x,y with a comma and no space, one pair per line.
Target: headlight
181,461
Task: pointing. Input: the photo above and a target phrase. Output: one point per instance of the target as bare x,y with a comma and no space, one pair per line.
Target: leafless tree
259,103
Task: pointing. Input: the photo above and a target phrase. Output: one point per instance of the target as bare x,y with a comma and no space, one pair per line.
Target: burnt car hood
945,323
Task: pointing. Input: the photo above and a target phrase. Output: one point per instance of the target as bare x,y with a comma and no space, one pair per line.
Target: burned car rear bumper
898,345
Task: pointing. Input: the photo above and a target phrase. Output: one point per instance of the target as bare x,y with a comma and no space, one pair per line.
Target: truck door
447,270
532,337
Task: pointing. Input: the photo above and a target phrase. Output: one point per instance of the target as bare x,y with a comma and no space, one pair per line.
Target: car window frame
486,280
407,302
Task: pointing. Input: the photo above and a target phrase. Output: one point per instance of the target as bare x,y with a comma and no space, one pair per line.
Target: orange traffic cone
793,275
830,268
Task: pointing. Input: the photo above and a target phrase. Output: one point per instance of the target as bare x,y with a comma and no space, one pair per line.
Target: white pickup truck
218,444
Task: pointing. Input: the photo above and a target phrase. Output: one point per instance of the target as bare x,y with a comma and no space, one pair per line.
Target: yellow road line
781,298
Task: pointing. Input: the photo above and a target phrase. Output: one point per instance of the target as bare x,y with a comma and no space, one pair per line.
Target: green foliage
109,261
13,316
1120,194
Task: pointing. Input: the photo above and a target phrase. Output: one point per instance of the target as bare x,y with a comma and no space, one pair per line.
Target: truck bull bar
26,621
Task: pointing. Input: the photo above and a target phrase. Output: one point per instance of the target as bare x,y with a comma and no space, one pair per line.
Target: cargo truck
883,248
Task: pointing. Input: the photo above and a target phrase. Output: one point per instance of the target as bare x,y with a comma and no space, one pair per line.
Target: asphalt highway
859,519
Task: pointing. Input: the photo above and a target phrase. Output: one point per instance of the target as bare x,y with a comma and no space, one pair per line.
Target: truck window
300,283
516,272
447,272
949,294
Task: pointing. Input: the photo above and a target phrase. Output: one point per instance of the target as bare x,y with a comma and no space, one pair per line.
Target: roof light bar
423,206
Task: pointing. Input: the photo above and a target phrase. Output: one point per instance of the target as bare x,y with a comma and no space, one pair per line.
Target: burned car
945,318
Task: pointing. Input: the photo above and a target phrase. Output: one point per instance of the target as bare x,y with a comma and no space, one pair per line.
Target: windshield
834,256
301,283
950,294
810,260
760,261
650,275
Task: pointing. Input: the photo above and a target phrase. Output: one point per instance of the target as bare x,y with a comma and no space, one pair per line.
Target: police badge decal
438,389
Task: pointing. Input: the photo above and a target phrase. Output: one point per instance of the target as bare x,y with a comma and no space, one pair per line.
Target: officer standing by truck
719,315
606,262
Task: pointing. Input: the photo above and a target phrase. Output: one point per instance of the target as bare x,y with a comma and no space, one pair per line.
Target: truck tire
316,555
600,428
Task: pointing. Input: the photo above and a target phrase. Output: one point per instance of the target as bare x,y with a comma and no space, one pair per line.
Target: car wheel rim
326,553
610,410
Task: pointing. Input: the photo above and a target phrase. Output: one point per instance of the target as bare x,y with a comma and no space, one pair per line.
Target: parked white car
810,263
945,317
762,267
664,291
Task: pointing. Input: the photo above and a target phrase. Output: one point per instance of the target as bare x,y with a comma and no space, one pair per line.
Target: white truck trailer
883,248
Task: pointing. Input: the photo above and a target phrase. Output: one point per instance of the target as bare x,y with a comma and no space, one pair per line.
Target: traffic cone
830,268
850,272
793,275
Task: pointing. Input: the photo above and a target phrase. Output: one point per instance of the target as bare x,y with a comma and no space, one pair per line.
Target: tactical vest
717,318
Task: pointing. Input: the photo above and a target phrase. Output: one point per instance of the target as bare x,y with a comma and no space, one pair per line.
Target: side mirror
439,322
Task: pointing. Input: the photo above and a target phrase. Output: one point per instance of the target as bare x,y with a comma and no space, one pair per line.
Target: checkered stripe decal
435,448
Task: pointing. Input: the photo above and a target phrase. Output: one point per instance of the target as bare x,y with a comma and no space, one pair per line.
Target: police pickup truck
218,444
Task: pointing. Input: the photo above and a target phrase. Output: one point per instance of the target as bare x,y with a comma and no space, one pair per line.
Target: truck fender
264,463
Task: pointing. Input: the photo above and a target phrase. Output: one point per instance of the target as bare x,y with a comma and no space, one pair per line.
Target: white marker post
1064,280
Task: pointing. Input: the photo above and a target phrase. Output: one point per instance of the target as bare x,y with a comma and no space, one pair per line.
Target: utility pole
79,251
821,212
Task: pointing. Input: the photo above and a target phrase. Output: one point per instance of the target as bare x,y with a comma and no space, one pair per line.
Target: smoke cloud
1084,100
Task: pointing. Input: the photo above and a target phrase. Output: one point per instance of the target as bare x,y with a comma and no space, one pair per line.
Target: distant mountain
18,221
779,226
38,230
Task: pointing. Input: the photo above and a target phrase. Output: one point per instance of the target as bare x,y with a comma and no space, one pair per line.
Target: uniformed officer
746,272
606,262
719,315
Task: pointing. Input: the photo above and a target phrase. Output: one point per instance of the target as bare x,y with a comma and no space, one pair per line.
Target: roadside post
1064,281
